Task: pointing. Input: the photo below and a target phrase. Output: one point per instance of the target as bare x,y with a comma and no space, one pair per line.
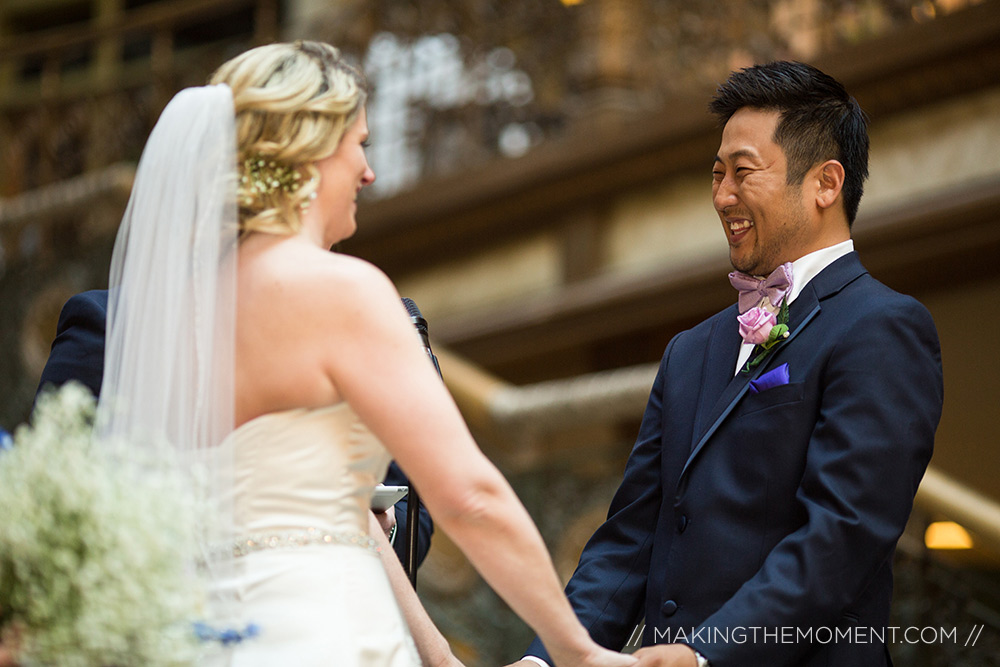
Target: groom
784,437
78,354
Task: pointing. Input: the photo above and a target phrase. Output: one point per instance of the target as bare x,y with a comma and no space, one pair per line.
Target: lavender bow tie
775,287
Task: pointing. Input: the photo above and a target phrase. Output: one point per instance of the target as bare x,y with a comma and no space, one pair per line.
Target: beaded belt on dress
301,538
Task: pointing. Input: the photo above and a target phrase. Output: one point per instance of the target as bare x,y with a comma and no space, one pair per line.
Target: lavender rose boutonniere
756,325
761,328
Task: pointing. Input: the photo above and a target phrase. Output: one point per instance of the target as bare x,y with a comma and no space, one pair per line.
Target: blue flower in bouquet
6,441
227,636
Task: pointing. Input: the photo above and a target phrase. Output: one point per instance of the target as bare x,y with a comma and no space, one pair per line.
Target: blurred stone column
105,68
107,55
799,23
318,19
265,22
7,65
609,61
161,63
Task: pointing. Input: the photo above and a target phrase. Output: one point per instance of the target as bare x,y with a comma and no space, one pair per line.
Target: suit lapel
717,370
802,311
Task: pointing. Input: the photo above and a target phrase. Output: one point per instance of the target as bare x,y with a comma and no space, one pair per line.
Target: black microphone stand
412,499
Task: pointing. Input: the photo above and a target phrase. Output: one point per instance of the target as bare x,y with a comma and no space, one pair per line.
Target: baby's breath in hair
262,179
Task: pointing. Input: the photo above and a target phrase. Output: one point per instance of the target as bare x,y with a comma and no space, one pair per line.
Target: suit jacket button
682,523
669,608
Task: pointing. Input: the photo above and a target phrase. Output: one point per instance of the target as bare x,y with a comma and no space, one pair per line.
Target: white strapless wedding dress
309,576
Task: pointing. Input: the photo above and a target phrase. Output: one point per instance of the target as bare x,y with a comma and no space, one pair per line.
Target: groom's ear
829,182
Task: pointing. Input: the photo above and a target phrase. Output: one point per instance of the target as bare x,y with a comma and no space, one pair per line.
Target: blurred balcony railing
457,84
460,84
81,96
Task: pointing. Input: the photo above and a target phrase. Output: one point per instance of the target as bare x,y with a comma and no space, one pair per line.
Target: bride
292,374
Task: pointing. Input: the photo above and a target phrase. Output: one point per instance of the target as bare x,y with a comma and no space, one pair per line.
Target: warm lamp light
947,535
570,3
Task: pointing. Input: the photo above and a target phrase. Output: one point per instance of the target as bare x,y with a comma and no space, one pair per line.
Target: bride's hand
602,657
597,656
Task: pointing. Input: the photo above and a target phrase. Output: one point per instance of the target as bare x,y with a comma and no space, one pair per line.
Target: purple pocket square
771,379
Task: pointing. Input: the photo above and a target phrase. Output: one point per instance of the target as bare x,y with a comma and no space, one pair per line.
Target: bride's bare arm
431,644
378,366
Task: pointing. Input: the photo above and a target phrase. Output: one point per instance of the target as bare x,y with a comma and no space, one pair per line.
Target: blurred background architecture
543,194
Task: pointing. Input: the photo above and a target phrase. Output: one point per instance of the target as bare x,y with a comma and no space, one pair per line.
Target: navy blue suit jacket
78,354
779,509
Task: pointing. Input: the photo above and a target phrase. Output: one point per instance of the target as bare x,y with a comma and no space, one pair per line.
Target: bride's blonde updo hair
293,104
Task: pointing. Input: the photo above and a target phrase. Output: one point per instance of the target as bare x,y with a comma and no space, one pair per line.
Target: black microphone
413,500
421,324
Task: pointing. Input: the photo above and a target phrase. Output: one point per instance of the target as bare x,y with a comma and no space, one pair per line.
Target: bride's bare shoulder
347,277
308,274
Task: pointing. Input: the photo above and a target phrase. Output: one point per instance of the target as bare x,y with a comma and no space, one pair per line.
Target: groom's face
764,218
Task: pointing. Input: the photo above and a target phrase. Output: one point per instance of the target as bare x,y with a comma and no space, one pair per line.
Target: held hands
600,658
605,658
666,655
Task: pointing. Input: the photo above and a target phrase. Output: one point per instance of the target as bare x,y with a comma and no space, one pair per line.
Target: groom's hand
386,521
523,663
666,655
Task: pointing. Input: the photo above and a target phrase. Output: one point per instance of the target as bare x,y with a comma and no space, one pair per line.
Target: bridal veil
169,359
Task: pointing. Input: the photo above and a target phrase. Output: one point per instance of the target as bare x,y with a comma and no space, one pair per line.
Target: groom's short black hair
819,120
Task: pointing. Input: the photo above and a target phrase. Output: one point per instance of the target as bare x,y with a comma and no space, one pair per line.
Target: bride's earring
304,206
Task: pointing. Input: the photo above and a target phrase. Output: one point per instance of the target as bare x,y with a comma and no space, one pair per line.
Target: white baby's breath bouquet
94,545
